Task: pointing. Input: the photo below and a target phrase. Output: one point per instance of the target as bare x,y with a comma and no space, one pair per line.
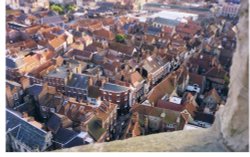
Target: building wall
122,99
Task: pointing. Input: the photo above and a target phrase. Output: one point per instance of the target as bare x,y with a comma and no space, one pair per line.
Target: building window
72,106
15,96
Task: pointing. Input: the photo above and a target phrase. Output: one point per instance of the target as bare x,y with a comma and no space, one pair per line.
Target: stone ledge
179,141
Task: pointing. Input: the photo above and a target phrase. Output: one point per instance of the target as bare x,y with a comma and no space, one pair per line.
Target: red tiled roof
103,33
128,50
108,21
135,77
196,79
170,115
167,30
169,105
216,72
56,42
213,93
166,86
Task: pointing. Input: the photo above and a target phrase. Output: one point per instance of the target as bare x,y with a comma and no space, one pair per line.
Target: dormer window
72,106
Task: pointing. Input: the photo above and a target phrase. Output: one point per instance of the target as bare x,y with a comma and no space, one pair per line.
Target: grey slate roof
25,132
153,30
11,63
35,89
64,135
67,138
166,21
54,123
114,87
52,20
12,84
78,81
60,72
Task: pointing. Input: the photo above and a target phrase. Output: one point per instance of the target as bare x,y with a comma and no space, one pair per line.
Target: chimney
31,119
219,67
104,81
25,115
91,81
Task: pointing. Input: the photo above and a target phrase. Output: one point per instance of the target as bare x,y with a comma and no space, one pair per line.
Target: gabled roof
170,115
108,21
64,136
216,72
103,33
152,64
54,123
56,42
60,72
135,78
169,105
214,94
52,20
35,89
196,79
78,81
25,132
12,84
127,50
14,63
166,86
153,30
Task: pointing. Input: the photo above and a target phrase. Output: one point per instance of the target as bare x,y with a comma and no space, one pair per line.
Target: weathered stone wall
230,131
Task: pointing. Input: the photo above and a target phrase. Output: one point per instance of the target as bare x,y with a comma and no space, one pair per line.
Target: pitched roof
56,42
170,115
35,89
196,79
104,110
63,136
54,123
135,77
78,81
127,50
213,93
166,86
108,21
52,20
152,64
60,72
12,84
14,63
169,105
103,33
216,72
25,132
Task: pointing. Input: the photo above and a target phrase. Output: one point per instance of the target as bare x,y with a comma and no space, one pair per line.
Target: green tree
70,7
120,38
57,8
226,79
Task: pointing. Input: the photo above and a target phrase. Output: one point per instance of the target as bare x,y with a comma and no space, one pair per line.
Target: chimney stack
25,115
